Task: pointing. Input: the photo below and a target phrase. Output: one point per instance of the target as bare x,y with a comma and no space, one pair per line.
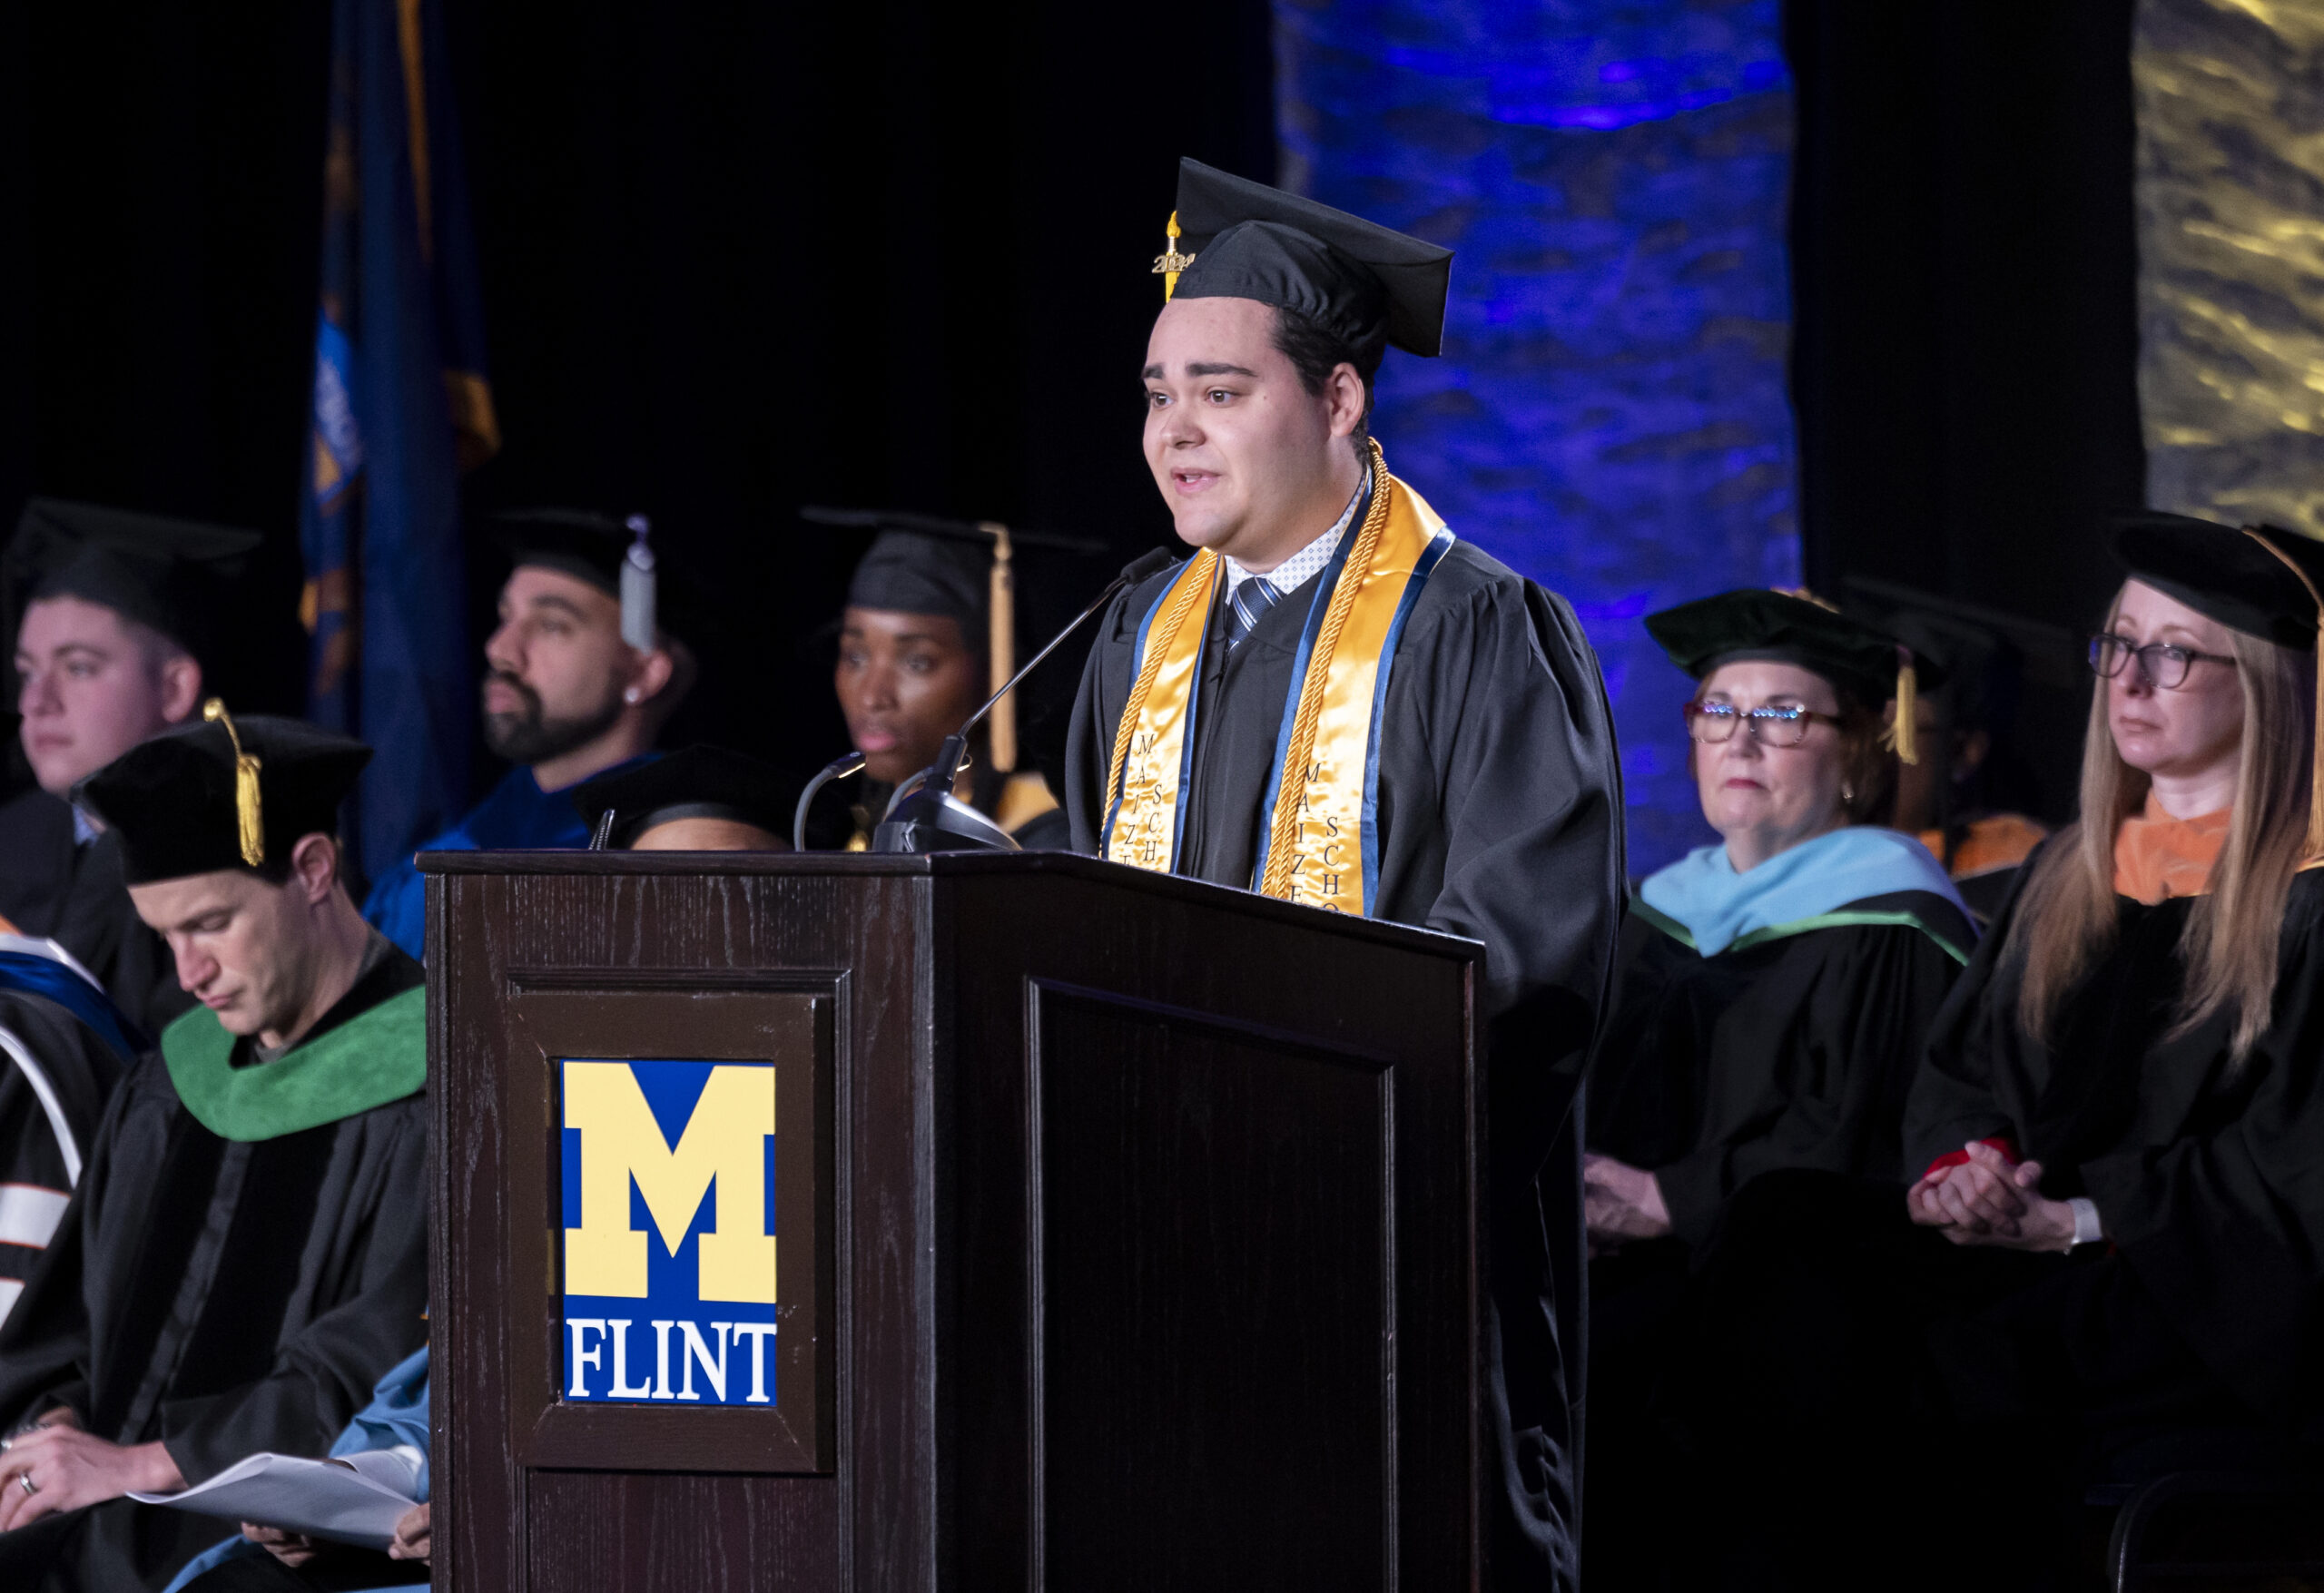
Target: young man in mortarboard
917,656
106,612
1374,717
566,694
246,1254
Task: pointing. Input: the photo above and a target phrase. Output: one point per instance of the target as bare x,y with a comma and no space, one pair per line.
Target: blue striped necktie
1245,604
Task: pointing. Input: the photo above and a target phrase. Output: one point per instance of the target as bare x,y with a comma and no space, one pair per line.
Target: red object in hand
2000,1142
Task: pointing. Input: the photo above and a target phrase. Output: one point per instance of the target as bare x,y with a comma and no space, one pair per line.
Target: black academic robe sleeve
1813,1072
374,1225
1955,1098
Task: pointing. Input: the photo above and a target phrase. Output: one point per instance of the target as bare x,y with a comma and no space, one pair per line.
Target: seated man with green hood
246,1253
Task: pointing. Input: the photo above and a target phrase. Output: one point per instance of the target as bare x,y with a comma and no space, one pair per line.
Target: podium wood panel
1143,1218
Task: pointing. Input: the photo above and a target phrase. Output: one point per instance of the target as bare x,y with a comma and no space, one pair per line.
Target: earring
630,696
1847,792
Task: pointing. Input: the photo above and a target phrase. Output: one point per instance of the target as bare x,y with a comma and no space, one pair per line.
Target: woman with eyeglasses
2106,1265
1773,993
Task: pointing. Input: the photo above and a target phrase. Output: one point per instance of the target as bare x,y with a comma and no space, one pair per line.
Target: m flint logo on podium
668,1170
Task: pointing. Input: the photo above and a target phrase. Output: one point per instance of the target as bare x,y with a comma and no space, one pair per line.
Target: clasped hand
1991,1200
1621,1202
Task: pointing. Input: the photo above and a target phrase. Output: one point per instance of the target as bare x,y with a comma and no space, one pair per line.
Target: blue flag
401,405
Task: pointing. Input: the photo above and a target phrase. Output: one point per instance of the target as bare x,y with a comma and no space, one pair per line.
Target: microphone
924,815
839,767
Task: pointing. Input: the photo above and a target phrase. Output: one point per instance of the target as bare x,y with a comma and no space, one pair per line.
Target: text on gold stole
1146,801
1322,856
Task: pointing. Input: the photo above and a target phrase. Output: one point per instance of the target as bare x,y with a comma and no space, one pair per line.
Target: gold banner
2229,171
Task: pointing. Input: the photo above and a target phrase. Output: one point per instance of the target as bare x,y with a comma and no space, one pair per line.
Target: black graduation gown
1500,818
1792,1053
52,886
223,1297
1935,1398
2208,1178
52,1099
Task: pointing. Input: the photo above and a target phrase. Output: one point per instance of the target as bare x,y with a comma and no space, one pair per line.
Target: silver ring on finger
25,1480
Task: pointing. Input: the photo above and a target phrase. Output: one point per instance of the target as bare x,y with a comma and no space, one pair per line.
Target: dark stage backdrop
1965,364
742,257
737,257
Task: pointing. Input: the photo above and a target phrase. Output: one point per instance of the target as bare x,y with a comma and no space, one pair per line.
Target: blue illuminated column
1611,416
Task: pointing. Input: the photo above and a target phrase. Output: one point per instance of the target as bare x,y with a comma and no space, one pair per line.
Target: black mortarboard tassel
2262,580
170,576
183,802
1243,239
1787,627
701,782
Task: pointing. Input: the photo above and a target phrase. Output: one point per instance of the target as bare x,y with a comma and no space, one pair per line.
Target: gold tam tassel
1001,731
1170,262
249,823
2315,746
1908,691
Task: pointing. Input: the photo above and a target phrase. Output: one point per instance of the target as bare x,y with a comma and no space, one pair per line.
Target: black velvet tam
172,799
170,576
701,782
1759,623
2235,577
1369,283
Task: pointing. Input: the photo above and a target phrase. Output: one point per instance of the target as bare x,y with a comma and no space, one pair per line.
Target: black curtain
737,257
1965,349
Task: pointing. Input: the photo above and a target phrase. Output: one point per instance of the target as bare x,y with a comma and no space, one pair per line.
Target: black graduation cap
911,572
616,557
2262,580
221,793
701,782
166,574
1369,283
964,570
1795,627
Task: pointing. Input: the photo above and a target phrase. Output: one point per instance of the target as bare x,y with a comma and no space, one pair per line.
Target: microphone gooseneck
839,767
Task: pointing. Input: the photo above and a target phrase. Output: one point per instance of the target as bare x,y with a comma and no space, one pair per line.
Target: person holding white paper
270,1557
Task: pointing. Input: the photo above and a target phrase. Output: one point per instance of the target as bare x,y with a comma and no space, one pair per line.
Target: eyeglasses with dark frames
1772,727
2165,664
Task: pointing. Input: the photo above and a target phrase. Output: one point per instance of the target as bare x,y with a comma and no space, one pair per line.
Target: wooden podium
1123,1230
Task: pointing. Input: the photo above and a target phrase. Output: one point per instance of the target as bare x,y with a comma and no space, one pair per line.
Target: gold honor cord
249,823
2315,747
1301,772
